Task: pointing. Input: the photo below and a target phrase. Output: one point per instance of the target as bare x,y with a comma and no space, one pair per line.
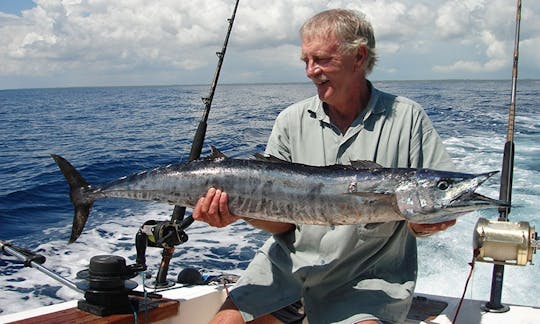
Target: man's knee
229,314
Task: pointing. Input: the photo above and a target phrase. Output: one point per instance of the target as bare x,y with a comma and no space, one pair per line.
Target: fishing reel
504,243
163,234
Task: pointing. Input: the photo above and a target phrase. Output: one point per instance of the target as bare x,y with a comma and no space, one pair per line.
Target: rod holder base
160,285
489,308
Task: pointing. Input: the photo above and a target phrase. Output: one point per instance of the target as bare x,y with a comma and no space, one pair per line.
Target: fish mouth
472,200
482,177
475,201
464,204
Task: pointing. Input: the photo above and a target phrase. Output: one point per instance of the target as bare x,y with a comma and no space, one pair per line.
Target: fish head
430,196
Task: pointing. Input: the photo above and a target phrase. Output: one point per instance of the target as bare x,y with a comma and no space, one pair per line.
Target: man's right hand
214,209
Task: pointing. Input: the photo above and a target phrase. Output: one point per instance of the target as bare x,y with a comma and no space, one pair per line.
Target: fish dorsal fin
365,164
216,154
267,158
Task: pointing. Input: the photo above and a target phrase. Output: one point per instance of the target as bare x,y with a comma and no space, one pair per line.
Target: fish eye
443,185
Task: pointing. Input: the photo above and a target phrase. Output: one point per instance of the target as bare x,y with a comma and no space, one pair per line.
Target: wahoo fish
270,189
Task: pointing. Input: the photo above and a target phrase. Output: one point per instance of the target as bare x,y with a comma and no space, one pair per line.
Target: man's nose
312,69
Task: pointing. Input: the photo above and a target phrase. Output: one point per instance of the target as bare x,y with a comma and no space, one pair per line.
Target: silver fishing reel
504,243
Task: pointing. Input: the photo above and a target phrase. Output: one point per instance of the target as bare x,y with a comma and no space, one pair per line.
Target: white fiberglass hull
199,303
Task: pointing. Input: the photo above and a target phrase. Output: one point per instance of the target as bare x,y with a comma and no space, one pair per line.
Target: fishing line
471,264
146,301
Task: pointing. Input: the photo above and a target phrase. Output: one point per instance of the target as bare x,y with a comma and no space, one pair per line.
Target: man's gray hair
350,27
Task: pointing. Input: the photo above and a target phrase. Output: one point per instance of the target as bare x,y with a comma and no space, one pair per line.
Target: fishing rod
503,242
200,134
505,193
196,149
34,260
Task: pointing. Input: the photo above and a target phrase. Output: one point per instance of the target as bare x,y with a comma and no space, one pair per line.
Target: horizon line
258,83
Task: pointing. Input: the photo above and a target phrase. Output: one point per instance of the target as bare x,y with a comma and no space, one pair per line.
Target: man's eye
323,60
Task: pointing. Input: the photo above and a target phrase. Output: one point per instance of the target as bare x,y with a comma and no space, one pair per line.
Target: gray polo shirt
343,273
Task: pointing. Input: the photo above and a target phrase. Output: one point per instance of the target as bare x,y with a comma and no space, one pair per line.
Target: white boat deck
471,313
199,303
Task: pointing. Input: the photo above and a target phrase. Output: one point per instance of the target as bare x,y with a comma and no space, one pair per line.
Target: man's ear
361,58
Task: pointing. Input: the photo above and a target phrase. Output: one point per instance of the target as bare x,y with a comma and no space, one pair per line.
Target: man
347,274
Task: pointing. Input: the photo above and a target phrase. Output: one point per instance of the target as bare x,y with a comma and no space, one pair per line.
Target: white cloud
487,33
453,20
95,34
117,40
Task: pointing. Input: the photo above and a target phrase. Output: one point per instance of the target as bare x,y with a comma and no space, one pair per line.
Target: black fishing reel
164,234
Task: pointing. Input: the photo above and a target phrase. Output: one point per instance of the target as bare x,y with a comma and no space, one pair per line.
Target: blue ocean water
114,131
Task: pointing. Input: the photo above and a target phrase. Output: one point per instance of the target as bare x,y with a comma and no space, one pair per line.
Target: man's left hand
422,230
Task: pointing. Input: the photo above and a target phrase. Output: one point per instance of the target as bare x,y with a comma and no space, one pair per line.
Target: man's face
334,74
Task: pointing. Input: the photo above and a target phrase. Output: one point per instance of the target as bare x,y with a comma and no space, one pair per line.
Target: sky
68,43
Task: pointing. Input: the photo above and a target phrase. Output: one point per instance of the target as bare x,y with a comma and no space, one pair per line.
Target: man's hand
423,230
214,209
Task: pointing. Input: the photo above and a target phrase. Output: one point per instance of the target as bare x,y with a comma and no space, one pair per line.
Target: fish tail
81,202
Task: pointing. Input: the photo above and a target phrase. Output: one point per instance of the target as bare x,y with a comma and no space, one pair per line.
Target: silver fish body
294,193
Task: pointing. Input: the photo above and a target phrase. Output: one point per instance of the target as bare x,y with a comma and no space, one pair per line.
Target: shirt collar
371,108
